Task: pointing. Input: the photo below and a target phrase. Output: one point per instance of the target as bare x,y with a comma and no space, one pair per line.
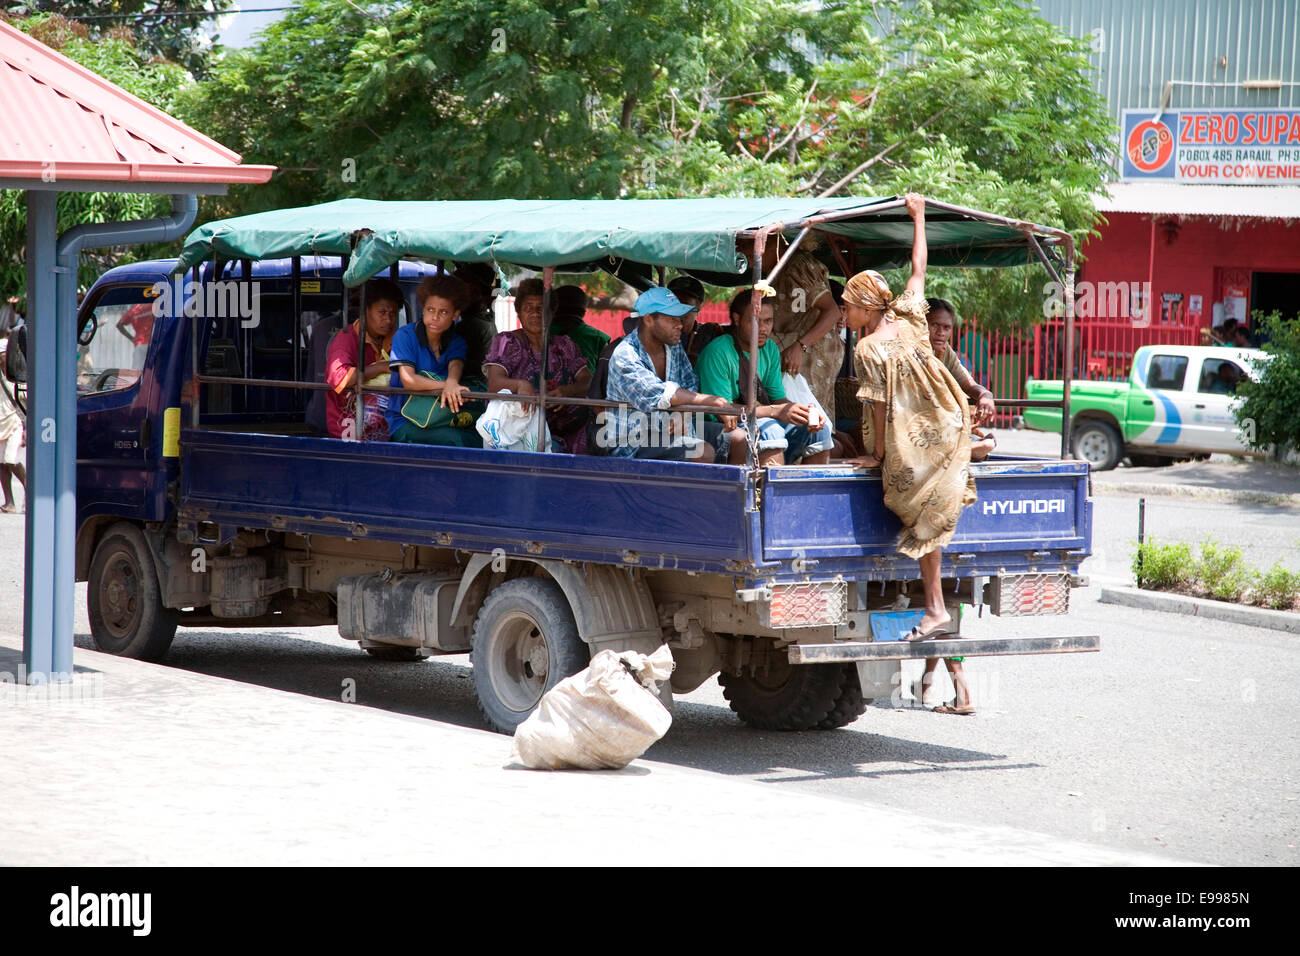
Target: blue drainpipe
68,251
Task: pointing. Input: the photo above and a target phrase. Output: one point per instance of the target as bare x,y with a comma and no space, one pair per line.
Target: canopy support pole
548,277
44,604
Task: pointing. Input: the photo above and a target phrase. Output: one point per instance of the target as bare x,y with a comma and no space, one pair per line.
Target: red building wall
1192,256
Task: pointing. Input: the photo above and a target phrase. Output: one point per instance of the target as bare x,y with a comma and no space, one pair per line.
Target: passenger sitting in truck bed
567,319
650,373
785,435
428,356
696,335
941,319
514,362
476,326
382,300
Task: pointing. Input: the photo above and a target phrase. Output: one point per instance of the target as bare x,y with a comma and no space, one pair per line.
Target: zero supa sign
1236,147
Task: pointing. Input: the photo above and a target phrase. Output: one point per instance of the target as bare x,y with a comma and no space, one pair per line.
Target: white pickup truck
1176,403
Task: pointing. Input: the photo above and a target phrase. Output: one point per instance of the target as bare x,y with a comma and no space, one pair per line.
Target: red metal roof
55,111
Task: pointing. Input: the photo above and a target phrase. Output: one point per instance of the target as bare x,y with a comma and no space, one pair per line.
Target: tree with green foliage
976,102
172,30
1269,412
116,59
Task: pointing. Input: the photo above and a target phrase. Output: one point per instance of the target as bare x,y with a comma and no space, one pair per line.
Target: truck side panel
1028,514
642,513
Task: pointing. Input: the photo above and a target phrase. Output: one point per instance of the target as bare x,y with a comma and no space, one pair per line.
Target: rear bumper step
847,651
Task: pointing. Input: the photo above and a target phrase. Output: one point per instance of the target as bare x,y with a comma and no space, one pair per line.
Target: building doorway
1275,291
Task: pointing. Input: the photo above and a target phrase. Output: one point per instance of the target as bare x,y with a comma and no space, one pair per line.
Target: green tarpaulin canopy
689,235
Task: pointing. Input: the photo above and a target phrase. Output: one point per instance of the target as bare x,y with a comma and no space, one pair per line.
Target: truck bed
818,521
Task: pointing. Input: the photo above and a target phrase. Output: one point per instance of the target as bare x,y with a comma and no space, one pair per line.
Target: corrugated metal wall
1140,45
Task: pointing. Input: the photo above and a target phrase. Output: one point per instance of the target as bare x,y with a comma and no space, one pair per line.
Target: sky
242,26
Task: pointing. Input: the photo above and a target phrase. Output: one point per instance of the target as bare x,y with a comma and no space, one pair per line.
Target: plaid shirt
634,382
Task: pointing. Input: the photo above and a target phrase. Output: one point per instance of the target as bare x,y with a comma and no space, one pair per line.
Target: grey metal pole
39,611
751,389
1069,354
548,276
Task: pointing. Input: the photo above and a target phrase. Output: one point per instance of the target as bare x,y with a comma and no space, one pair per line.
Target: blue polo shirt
406,350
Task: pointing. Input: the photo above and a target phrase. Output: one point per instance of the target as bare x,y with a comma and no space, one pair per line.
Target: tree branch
862,168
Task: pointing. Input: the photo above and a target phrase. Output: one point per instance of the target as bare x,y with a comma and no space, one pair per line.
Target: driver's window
1221,377
115,338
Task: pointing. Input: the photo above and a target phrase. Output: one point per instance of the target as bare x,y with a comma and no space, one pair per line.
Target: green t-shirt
589,340
719,370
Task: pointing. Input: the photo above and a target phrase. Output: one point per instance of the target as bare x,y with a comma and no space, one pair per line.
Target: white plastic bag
800,392
506,426
601,718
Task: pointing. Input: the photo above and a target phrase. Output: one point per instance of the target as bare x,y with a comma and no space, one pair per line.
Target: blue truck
207,498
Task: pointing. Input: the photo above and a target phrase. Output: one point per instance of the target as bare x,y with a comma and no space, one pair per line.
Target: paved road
1179,739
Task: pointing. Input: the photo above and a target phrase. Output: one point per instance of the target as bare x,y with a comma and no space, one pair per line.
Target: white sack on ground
601,718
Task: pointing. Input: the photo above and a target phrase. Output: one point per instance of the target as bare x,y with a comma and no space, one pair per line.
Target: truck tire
850,705
1150,461
1097,443
123,599
395,652
525,642
786,696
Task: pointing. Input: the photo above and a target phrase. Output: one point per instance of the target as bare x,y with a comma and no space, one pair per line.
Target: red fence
1103,351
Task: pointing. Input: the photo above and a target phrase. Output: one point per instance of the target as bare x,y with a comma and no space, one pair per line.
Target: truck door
1213,427
115,472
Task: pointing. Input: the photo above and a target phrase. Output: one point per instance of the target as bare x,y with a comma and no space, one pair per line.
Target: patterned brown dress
927,430
800,284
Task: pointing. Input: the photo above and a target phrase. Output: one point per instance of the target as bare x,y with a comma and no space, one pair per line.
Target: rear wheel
1149,461
850,705
785,696
395,652
123,598
1097,443
525,642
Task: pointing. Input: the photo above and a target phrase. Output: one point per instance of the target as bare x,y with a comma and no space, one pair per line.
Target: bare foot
929,624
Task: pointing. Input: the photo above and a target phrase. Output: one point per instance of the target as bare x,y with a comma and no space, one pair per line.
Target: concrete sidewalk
135,763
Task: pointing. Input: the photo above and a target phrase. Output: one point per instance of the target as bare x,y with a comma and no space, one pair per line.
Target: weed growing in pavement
1162,566
1278,588
1222,571
1216,572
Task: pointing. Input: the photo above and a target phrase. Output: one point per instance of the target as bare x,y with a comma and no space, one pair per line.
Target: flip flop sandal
967,711
941,631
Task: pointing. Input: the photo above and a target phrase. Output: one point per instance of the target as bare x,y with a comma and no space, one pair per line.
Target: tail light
808,605
1023,595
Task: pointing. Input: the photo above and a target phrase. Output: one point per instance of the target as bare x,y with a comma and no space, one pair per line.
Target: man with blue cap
650,373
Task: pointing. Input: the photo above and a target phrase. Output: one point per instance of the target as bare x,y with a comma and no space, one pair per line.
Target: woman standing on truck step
918,429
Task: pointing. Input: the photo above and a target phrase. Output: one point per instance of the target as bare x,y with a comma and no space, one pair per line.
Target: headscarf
869,290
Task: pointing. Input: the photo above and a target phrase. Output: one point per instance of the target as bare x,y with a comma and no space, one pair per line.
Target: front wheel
1097,443
525,642
123,599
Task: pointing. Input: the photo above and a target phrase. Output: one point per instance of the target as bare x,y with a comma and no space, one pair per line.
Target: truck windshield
117,329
